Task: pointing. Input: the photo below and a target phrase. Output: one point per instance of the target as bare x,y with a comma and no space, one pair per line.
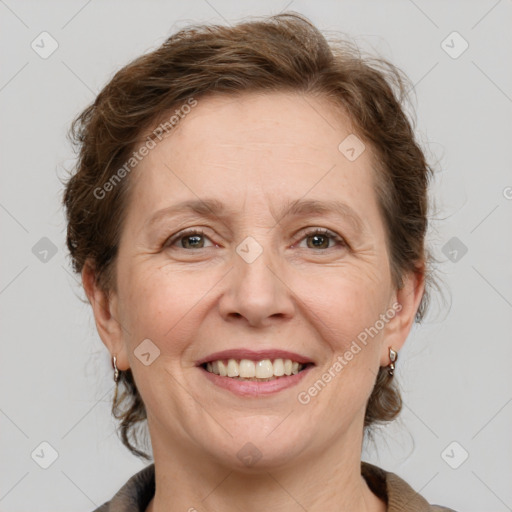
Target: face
288,253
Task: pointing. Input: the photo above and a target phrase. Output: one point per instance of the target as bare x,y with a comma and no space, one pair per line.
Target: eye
321,238
190,239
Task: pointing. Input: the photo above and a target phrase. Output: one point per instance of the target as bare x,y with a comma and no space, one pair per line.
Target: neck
330,480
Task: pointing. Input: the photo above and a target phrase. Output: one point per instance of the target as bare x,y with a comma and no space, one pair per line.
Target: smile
247,378
246,369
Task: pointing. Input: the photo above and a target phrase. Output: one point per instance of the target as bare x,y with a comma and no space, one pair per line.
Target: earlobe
406,302
104,306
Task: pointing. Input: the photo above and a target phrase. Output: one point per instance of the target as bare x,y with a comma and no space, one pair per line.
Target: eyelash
315,231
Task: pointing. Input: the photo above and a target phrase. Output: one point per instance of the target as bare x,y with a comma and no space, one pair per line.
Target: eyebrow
213,208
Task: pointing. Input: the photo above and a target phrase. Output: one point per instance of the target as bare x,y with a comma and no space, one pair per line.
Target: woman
248,215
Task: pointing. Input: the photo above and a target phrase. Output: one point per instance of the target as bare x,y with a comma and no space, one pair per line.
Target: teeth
233,368
264,369
222,369
278,368
247,368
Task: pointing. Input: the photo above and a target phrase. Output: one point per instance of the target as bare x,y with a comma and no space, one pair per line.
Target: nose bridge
253,258
256,290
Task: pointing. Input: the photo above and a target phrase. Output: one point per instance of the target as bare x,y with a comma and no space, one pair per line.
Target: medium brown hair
279,53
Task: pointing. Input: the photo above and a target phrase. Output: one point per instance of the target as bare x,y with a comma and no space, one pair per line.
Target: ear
405,303
105,309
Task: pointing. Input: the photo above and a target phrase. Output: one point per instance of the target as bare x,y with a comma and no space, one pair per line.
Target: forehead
265,121
254,147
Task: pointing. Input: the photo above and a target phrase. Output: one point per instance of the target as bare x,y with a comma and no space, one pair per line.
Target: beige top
138,491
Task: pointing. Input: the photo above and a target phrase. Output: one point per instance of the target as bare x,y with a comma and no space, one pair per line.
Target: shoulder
398,494
134,495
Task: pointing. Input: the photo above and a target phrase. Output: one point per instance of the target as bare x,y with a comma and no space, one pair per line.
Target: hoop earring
393,357
116,371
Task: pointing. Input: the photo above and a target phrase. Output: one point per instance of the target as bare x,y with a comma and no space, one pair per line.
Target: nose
256,291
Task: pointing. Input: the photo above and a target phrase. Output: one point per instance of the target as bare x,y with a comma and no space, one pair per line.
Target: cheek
347,317
156,306
343,310
344,303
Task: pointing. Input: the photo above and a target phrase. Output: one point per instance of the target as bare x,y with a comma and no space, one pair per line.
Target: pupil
316,238
193,237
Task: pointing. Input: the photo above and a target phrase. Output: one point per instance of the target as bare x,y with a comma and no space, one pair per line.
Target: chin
256,449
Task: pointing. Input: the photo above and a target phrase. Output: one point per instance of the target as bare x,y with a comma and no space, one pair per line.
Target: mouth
259,385
262,370
255,374
249,373
261,365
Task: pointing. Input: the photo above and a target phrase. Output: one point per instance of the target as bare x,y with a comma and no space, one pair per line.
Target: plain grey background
452,442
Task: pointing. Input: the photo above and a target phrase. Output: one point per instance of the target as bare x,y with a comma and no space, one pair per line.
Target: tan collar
397,493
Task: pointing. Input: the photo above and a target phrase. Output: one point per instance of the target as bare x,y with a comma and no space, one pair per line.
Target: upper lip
254,355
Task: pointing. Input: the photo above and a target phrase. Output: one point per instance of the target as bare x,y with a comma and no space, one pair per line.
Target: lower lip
254,388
